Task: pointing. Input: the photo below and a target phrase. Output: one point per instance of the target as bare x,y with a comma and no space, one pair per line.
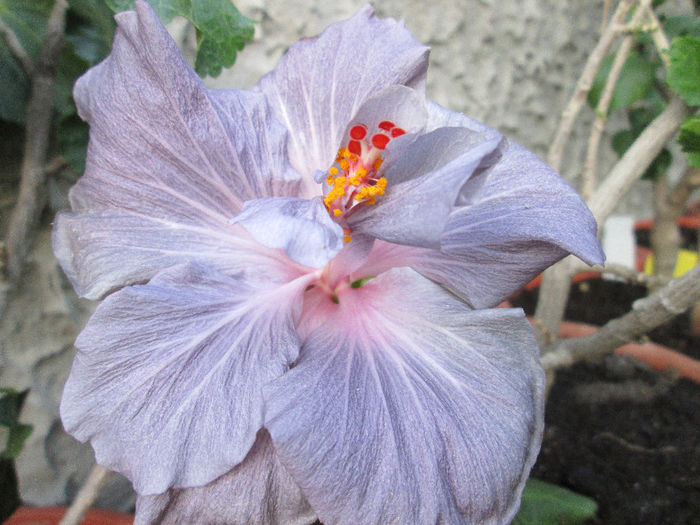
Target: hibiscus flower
297,286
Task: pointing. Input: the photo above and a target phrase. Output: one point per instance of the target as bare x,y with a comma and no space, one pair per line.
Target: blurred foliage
635,83
546,504
15,434
222,30
684,72
28,21
642,93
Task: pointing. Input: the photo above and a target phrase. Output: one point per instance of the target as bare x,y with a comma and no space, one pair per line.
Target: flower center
353,179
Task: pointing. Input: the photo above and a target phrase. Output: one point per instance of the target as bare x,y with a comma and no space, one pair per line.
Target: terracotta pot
52,515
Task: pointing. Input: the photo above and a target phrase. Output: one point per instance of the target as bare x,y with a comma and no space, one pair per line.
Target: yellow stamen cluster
353,181
370,192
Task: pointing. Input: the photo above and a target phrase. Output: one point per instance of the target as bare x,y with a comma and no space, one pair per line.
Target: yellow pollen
329,180
347,238
381,183
338,190
337,212
354,180
344,164
333,170
377,164
361,172
373,200
353,157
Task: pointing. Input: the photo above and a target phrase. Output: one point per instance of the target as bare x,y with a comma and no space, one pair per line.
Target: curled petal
101,251
512,219
404,107
408,407
300,227
259,490
167,380
321,83
162,144
430,170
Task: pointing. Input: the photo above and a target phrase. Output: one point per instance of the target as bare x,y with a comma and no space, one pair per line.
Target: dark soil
620,433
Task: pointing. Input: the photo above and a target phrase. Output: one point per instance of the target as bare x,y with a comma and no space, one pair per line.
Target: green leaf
690,135
11,403
684,70
694,160
635,82
15,441
72,138
28,21
90,29
546,504
222,30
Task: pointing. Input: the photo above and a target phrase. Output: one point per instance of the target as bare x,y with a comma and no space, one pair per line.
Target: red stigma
386,125
397,132
358,132
354,146
380,141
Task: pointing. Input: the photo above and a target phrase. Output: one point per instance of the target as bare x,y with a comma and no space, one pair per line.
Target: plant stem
38,127
86,496
556,280
584,84
16,48
646,314
601,111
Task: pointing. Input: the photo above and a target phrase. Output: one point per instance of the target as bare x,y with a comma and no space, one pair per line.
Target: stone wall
512,64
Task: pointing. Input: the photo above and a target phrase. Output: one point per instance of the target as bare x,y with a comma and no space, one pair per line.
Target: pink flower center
353,179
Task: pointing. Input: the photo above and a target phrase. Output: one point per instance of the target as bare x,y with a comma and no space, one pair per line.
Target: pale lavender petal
167,380
257,491
321,83
483,278
430,171
440,117
104,250
403,106
163,145
302,228
512,220
408,407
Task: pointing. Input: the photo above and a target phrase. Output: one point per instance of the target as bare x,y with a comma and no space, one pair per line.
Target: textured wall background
510,63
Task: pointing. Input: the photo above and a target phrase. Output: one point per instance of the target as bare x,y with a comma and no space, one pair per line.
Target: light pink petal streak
407,407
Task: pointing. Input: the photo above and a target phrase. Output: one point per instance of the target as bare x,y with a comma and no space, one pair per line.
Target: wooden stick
86,496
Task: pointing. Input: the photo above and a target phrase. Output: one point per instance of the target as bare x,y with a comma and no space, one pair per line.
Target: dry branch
673,299
86,496
16,48
556,280
637,158
38,126
568,117
601,110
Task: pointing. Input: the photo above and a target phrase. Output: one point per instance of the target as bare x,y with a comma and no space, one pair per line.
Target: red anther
380,141
355,147
358,132
397,132
386,124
